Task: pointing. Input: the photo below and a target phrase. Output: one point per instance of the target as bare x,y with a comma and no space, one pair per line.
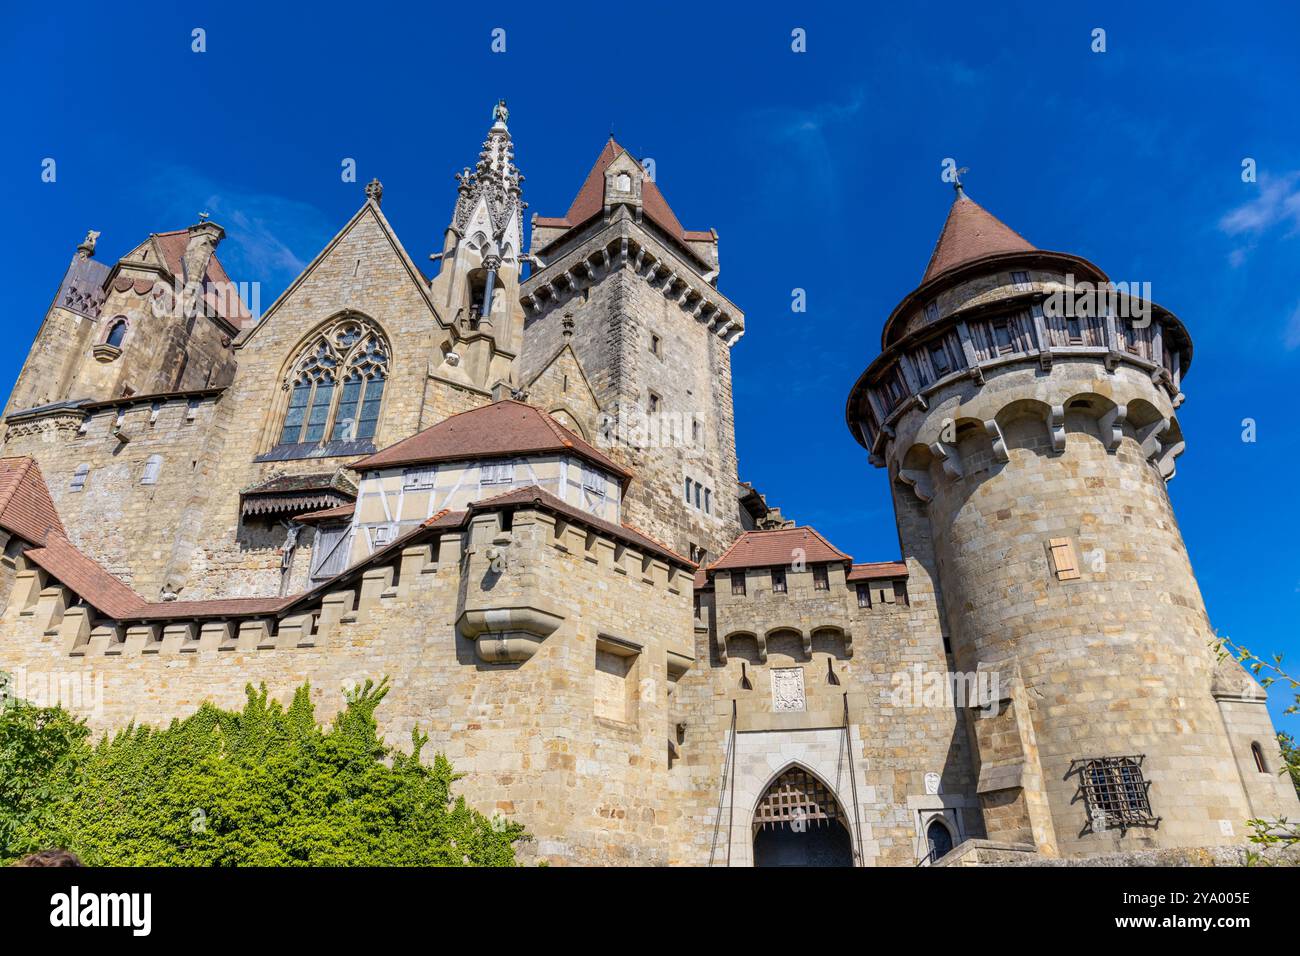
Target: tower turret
621,287
1026,410
477,285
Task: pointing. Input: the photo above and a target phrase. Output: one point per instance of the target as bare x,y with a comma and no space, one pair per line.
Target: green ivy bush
264,786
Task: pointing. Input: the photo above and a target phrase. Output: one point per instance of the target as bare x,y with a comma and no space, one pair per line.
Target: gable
561,388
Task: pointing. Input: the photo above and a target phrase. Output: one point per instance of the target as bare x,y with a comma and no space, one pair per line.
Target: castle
517,496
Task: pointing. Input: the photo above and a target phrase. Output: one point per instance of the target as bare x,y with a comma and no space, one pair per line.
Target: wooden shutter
1067,569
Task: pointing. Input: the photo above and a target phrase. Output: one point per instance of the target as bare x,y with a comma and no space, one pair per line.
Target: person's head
50,858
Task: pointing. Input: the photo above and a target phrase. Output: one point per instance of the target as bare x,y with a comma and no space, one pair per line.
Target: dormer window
1020,280
932,312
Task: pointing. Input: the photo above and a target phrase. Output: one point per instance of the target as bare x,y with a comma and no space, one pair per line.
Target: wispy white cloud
1278,203
270,238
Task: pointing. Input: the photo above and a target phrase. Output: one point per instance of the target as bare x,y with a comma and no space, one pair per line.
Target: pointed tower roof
495,179
590,200
971,232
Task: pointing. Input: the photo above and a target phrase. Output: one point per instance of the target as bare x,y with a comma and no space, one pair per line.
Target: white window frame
419,479
152,469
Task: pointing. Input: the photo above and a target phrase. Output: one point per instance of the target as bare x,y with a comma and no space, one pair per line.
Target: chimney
203,240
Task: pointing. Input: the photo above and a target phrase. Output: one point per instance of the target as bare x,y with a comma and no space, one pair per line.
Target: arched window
337,386
939,837
116,332
1257,752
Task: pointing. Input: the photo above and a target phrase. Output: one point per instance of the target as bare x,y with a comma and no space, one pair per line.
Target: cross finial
956,181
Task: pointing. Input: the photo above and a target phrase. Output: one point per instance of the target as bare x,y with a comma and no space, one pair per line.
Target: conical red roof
970,233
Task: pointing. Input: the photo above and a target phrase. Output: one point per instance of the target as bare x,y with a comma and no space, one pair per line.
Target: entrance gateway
798,822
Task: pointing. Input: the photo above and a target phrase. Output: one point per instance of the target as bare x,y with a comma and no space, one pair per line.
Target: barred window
337,386
1114,791
778,580
737,582
820,580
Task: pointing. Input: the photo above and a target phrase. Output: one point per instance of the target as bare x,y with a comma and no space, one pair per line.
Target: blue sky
819,170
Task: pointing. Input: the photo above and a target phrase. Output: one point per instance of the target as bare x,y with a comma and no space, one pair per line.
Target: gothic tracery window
337,386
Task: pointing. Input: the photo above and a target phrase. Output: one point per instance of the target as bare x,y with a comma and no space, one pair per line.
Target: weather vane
956,179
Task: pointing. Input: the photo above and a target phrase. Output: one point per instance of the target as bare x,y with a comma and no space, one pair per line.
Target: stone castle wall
1117,655
591,789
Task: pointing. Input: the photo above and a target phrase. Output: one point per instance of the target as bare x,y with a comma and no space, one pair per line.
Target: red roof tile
591,200
25,505
761,549
971,233
218,607
878,569
91,582
328,514
492,431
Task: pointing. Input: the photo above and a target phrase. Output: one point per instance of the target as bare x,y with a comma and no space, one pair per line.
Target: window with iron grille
820,580
737,582
1114,791
778,580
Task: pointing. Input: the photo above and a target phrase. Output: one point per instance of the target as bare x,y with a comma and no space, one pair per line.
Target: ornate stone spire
494,179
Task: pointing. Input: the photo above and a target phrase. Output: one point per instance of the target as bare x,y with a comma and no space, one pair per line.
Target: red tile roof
878,569
761,549
91,582
219,607
590,201
971,233
328,514
492,431
25,505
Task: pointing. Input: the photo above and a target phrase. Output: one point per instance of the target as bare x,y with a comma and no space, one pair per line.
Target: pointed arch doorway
798,822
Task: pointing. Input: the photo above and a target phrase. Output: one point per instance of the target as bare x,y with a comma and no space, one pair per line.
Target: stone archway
798,822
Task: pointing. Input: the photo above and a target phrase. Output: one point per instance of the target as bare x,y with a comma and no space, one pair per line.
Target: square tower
634,296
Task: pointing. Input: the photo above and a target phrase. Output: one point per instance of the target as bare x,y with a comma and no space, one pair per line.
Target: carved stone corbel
948,457
1112,426
919,481
1165,464
1150,437
1056,427
994,431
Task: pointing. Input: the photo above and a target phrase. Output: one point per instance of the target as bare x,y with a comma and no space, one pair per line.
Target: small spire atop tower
87,248
956,182
494,178
375,191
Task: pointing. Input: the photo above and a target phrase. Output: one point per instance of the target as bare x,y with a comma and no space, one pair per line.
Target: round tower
1026,410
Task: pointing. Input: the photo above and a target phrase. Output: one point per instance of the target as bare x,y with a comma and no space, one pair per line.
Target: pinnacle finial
375,191
87,248
204,216
956,182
